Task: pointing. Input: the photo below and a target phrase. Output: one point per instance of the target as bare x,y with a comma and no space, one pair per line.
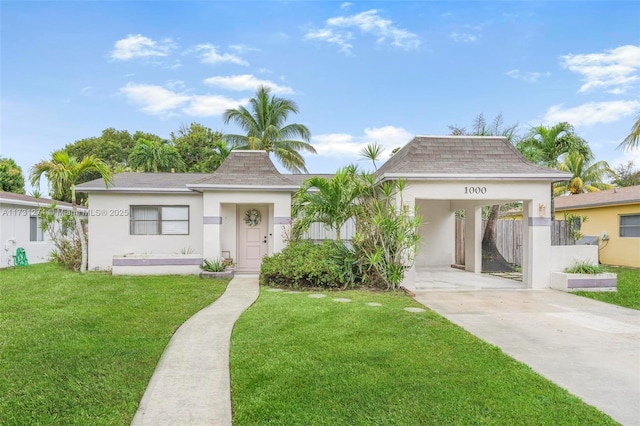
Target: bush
303,264
212,265
585,268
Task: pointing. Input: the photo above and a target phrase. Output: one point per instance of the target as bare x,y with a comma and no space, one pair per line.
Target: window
35,229
159,220
630,226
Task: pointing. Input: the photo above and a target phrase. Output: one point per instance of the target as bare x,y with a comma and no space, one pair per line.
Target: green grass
302,361
628,294
80,350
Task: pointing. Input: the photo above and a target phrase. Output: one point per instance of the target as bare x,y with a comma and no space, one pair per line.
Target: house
169,222
613,216
20,227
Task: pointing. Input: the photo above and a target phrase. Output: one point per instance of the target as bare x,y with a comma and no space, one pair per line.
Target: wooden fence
509,238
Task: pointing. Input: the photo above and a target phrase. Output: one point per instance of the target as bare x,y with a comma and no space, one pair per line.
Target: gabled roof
609,197
147,182
246,170
463,157
28,200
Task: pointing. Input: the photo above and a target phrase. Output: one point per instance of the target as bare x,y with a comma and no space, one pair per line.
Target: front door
252,237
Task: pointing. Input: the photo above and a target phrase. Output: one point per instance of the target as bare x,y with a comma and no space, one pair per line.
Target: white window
36,233
630,225
159,220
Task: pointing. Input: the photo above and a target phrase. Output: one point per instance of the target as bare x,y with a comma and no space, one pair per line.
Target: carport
449,173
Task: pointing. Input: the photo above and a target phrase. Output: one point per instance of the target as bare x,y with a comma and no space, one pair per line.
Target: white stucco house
168,222
20,227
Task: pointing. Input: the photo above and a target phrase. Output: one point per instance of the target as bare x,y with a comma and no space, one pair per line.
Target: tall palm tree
62,172
155,156
547,145
633,139
266,130
586,177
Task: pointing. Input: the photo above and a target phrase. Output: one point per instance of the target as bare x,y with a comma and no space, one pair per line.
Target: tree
328,201
492,259
633,139
155,156
266,130
11,178
547,145
201,149
62,172
626,175
586,177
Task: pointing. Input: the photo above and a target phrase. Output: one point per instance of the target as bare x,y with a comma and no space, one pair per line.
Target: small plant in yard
61,231
585,267
213,265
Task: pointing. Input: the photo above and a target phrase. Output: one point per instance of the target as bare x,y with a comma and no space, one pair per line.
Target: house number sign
475,189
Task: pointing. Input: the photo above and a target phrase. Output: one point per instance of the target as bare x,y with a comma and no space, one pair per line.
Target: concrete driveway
590,348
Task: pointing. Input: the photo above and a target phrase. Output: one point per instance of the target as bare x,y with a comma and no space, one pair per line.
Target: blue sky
360,72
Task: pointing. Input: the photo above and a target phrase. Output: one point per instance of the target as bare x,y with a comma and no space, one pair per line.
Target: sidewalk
191,384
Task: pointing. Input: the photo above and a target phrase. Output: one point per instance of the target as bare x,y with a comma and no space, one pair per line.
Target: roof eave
232,187
134,189
548,177
603,204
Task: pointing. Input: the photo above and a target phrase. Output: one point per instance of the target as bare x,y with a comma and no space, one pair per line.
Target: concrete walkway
590,348
191,384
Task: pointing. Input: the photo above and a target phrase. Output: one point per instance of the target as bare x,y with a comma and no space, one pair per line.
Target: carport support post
212,223
473,239
536,241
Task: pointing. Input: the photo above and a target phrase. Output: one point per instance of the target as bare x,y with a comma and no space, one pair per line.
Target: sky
360,72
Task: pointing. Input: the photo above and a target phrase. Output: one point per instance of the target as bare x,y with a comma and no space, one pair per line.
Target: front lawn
296,360
628,294
80,349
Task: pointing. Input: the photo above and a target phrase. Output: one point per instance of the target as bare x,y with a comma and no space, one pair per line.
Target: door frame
240,209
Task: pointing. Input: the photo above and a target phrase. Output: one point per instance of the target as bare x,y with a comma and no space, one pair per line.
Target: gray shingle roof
150,181
462,155
10,197
628,195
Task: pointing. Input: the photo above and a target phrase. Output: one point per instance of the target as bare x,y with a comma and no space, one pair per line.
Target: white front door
252,237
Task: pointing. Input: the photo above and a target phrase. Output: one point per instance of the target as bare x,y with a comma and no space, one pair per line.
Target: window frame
621,226
40,234
159,221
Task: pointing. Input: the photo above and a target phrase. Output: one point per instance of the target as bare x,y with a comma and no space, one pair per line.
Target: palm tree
586,177
154,156
546,145
266,130
633,139
62,172
329,201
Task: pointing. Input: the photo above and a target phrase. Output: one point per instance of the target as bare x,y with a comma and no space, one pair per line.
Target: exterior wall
563,257
109,234
606,219
15,232
437,245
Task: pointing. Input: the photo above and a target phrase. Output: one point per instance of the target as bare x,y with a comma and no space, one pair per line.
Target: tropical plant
62,172
585,267
61,231
329,201
11,179
155,156
547,145
626,174
201,149
633,138
265,129
586,177
212,265
575,222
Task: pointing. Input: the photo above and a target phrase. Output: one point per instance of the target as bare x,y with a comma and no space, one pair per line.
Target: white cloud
158,100
341,144
346,5
175,84
592,113
336,31
463,37
246,82
209,55
529,76
242,48
139,46
615,70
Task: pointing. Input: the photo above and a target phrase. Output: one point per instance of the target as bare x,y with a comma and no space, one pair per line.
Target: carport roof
460,157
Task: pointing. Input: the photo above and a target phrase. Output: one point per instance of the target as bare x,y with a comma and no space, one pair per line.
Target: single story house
169,222
613,216
20,227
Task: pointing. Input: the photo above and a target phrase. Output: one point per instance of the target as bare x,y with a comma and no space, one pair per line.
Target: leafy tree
11,178
201,149
626,175
155,156
633,139
492,259
328,201
62,172
266,130
586,177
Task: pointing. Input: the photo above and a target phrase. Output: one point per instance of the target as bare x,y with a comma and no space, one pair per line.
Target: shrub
61,230
303,264
212,265
585,267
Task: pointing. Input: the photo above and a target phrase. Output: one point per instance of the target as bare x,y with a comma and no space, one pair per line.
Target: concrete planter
584,282
227,273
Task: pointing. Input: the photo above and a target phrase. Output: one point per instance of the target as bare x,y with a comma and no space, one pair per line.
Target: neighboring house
20,227
613,216
243,210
